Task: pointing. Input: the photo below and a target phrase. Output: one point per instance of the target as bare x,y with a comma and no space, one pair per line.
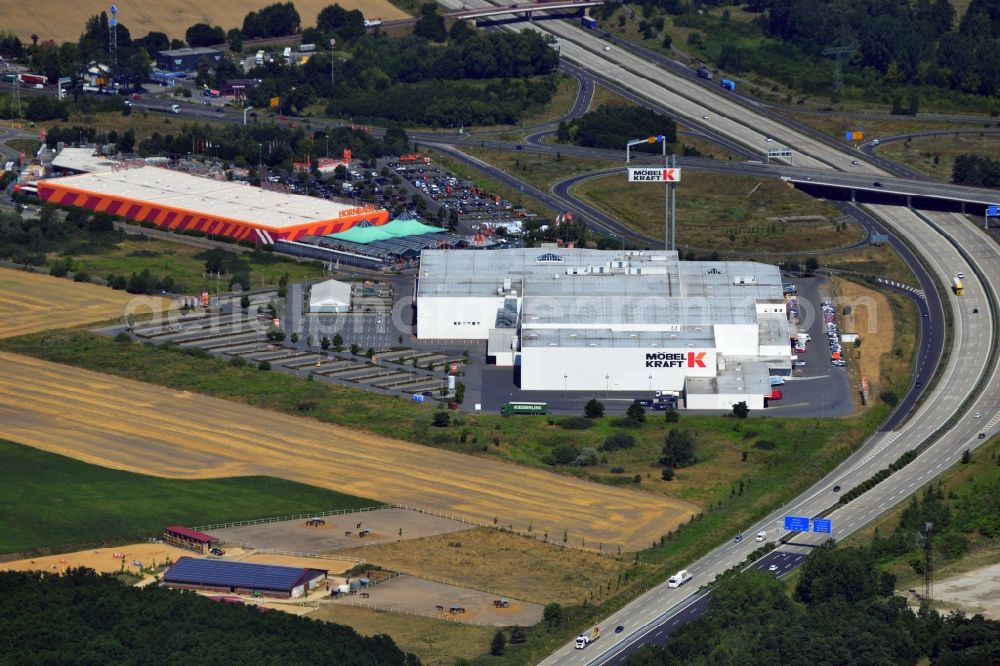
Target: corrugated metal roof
224,573
191,534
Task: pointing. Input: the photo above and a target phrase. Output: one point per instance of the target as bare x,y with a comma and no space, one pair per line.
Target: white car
607,48
977,415
773,567
960,276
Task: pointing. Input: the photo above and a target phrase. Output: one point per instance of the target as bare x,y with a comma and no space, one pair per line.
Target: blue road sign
993,211
796,523
824,526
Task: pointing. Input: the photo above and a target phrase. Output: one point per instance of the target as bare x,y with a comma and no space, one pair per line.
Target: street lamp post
607,380
249,108
565,376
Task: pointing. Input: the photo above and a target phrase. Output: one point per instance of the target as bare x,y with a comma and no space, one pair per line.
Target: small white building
329,297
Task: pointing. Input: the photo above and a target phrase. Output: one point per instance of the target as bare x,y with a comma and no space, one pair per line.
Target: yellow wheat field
32,302
64,21
143,428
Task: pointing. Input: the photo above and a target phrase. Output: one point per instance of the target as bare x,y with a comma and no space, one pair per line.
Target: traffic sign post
822,526
991,211
797,523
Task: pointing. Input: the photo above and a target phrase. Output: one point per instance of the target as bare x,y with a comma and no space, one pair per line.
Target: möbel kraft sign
675,360
660,175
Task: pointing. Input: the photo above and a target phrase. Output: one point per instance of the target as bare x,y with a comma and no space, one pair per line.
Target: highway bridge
526,8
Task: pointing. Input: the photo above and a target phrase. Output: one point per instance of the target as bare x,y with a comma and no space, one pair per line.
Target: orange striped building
181,201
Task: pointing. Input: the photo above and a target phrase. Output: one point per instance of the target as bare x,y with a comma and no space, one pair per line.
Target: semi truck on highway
587,637
679,578
705,73
589,22
728,84
956,285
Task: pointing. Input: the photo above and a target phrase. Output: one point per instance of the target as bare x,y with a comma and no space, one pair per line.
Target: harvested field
437,643
173,17
129,425
341,531
34,302
417,595
102,560
488,558
976,591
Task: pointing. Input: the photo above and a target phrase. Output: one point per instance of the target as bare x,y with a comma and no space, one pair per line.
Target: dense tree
338,22
202,34
678,449
430,25
612,126
277,20
594,409
976,170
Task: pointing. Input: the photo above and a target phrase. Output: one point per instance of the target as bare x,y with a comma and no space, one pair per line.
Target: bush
620,440
59,270
617,470
678,449
564,454
587,457
237,362
575,423
81,276
672,416
593,409
123,337
441,420
264,365
889,397
635,412
667,474
765,444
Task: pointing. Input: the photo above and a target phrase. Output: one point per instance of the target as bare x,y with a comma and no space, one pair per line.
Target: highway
943,425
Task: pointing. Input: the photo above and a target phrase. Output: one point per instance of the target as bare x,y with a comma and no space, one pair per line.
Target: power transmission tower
839,52
928,565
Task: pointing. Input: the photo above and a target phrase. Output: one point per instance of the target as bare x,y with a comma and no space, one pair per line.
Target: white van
762,535
175,108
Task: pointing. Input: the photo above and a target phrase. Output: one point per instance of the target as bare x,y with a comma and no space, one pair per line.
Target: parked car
217,552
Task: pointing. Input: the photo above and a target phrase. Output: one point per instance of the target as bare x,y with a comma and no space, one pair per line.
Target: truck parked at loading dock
587,637
679,578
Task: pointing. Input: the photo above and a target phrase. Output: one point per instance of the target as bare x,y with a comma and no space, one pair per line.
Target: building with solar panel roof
209,575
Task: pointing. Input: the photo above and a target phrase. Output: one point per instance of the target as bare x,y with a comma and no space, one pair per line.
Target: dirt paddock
102,560
407,593
385,524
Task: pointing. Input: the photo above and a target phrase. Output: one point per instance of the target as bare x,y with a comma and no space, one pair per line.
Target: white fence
449,617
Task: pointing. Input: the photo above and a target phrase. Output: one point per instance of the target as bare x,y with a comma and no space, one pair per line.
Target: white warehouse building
599,320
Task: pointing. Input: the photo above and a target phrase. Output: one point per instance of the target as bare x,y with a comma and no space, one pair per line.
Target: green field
52,503
740,214
185,264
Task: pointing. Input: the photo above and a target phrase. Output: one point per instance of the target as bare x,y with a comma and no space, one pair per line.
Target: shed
185,537
330,296
186,60
195,573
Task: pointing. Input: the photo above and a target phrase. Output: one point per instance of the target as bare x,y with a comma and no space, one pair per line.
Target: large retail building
603,321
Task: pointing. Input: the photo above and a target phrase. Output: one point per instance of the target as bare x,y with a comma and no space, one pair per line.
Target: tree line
976,170
98,620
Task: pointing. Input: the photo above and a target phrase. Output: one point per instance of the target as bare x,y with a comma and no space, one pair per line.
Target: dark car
982,435
520,147
877,184
739,537
619,629
217,551
836,489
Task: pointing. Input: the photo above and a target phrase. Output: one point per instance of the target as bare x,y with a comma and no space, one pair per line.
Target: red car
776,395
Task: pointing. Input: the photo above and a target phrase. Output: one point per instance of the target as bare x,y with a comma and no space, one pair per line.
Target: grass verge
935,156
436,642
54,503
726,213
